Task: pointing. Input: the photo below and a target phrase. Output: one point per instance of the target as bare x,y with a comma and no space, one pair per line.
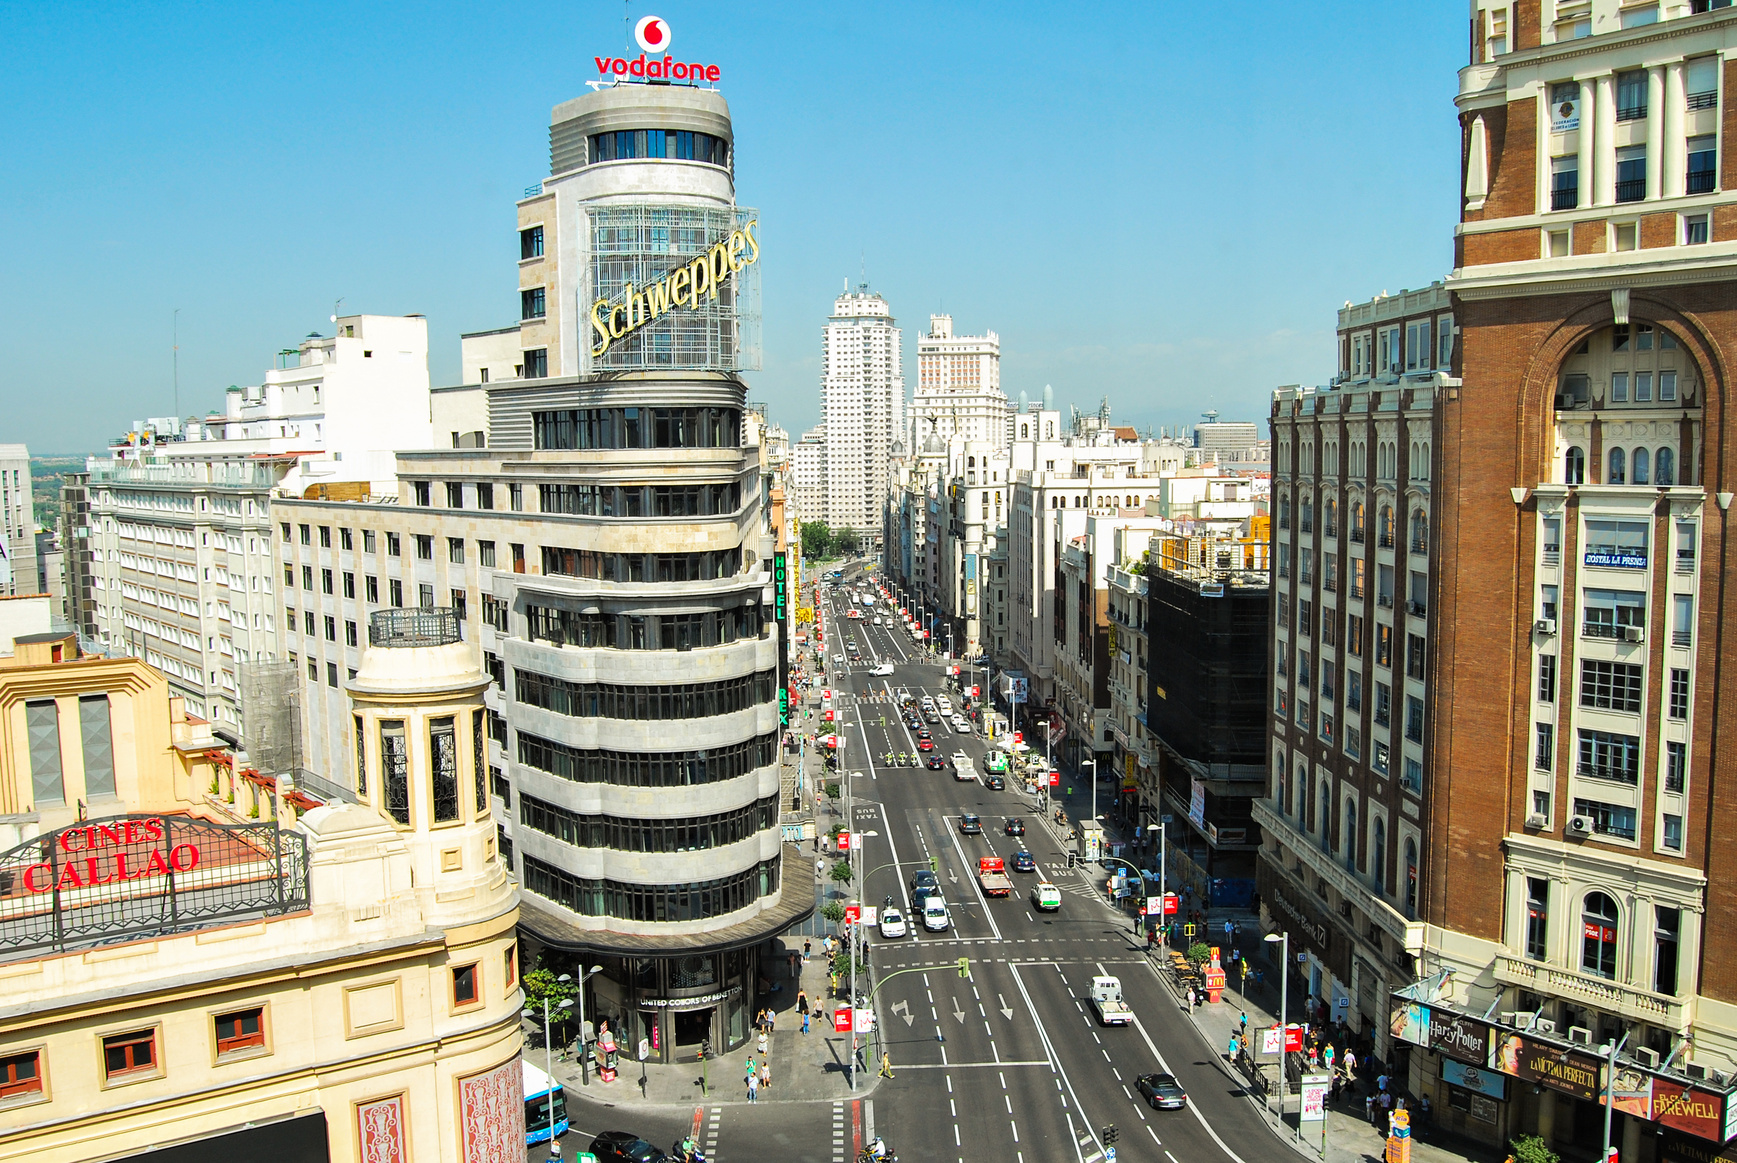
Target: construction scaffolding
639,245
271,727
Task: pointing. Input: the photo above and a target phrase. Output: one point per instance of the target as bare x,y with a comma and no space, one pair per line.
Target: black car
922,732
1162,1091
920,894
994,783
935,763
970,825
922,880
622,1147
1015,826
1022,861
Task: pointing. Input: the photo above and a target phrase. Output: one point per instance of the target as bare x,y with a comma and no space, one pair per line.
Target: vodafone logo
652,34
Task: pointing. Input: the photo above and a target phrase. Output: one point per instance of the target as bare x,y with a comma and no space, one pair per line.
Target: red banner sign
96,854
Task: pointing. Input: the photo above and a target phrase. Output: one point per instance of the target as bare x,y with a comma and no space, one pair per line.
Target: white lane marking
1192,1109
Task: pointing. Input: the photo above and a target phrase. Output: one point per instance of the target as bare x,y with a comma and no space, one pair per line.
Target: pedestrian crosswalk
714,1116
838,1132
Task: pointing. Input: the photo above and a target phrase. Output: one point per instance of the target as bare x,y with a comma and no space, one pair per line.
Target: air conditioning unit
1545,626
1634,634
1414,608
1544,1026
1580,825
1580,1034
1536,820
1564,401
1647,1055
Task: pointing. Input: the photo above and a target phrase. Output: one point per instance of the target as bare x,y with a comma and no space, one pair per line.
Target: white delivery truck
1107,1000
963,768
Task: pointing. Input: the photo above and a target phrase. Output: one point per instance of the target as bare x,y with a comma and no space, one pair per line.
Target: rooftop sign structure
655,63
131,877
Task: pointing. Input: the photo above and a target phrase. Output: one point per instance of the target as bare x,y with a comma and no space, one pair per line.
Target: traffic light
964,967
934,865
1111,1134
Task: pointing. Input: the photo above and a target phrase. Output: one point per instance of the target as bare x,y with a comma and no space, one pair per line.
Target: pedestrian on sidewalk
886,1064
807,948
753,1088
1230,1054
762,1042
751,1068
802,1002
1350,1063
1242,1024
766,1073
805,1023
794,961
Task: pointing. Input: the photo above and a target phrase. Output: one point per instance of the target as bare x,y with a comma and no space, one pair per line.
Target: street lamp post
584,1044
1163,894
1093,764
1284,1018
549,1057
1614,1048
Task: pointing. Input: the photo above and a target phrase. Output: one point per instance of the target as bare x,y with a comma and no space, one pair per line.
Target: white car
883,670
838,658
960,725
892,923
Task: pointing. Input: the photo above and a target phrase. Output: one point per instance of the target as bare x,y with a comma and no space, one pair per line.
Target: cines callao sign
681,287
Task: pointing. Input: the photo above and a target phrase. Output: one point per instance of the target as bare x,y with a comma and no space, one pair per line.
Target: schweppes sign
680,288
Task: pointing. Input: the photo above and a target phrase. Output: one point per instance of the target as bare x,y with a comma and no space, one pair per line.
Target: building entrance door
692,1028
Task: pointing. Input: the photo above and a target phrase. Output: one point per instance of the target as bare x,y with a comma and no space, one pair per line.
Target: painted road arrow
958,1014
1006,1010
903,1009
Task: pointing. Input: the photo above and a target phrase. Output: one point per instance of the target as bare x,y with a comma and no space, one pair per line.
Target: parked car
892,923
1162,1091
970,825
1022,861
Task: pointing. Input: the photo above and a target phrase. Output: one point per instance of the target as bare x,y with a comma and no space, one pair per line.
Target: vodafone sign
655,63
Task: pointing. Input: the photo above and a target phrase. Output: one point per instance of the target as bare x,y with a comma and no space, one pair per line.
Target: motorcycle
876,1152
686,1151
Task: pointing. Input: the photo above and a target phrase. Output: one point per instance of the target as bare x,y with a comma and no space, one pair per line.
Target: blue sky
1161,203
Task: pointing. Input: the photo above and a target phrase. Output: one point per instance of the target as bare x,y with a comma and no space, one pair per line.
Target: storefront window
693,972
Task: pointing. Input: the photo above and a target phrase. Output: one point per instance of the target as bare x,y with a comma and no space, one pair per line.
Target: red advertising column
1214,978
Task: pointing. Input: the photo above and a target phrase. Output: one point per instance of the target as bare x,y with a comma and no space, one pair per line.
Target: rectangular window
20,1075
1608,755
454,495
349,584
1418,347
132,1053
531,242
419,490
1414,656
1702,174
1564,184
531,303
485,554
1672,840
516,497
1609,613
367,541
306,533
350,638
98,746
345,540
1610,686
241,1030
443,767
425,596
1631,174
1696,229
1631,95
371,589
458,604
1354,635
331,628
1676,766
1618,395
1412,780
455,550
1679,705
1353,691
332,675
395,769
424,547
1414,718
1682,619
464,985
1383,645
1544,746
393,548
307,577
1667,932
536,363
1607,819
1546,678
510,955
1537,918
325,581
1383,704
485,496
308,622
396,589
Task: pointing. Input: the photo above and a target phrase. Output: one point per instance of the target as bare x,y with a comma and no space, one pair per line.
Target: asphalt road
1009,1063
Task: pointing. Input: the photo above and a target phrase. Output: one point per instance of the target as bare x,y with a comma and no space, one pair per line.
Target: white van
935,918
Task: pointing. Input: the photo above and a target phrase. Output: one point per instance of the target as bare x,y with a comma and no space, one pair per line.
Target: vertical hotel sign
781,614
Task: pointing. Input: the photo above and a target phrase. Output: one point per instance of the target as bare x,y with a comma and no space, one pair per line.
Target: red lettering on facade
184,857
68,878
156,866
30,884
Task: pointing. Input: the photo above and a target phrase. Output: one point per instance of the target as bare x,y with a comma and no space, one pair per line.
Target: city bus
540,1091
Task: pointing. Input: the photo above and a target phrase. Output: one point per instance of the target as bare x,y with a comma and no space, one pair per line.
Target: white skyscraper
17,523
959,387
863,398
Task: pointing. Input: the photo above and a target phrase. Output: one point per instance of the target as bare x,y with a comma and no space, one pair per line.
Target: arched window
1349,835
1419,531
1664,471
1387,526
1330,515
1378,854
1598,925
1618,474
1357,521
1279,787
1324,816
1024,431
1284,512
1411,878
1641,466
1574,466
1308,514
971,462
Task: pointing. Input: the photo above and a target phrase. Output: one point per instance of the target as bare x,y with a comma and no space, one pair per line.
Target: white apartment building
180,550
863,399
808,475
959,387
17,523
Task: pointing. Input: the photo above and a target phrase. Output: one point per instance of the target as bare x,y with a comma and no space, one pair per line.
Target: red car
925,745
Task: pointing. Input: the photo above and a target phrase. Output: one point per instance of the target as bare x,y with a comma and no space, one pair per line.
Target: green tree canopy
816,540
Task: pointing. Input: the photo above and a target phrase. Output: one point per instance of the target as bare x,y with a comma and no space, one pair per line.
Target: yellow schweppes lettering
703,275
